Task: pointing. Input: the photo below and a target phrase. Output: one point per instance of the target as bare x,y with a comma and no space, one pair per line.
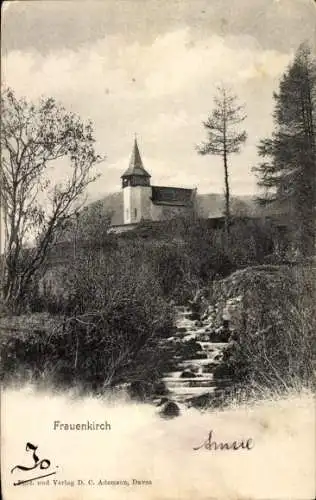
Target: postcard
157,195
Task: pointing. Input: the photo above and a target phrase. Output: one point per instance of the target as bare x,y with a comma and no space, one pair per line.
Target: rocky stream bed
197,350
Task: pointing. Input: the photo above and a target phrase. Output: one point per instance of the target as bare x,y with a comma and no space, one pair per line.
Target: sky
151,67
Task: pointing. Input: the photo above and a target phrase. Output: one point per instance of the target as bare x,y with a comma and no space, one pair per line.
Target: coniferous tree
223,136
287,172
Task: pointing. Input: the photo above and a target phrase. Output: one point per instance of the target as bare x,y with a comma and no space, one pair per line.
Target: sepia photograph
157,249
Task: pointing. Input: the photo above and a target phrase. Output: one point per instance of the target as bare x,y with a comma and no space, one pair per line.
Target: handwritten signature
41,464
212,445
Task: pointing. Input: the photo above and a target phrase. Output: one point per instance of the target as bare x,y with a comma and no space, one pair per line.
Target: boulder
160,388
210,367
187,374
221,334
193,368
189,348
194,317
169,409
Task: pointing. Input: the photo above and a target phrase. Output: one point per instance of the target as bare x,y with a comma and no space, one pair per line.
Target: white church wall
145,202
136,203
127,205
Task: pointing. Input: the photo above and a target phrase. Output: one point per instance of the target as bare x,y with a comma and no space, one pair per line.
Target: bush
114,316
187,254
115,298
275,327
248,243
170,263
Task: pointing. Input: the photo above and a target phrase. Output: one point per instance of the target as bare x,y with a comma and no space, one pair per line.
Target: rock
224,372
187,374
203,337
189,348
234,337
194,317
160,388
210,367
216,399
170,409
163,401
202,401
181,335
181,329
191,336
199,355
139,390
193,368
225,335
220,335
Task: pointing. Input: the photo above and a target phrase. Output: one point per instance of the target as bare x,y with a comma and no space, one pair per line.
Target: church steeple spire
136,160
136,175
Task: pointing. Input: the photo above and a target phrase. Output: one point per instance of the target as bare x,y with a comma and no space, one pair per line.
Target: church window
135,213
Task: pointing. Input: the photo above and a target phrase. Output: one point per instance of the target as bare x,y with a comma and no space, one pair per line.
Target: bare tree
223,137
33,138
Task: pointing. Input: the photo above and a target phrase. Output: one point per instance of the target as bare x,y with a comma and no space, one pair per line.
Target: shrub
274,344
114,316
170,263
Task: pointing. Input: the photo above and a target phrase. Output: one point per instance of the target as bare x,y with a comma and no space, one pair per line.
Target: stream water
194,377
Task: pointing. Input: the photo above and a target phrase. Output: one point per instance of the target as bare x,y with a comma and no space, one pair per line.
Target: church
142,201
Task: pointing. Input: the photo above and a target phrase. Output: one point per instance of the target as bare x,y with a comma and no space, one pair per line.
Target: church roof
136,166
172,196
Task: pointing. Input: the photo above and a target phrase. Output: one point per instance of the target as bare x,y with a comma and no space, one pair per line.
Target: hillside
208,205
212,205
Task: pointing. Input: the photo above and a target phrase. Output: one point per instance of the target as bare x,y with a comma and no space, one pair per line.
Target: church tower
136,189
